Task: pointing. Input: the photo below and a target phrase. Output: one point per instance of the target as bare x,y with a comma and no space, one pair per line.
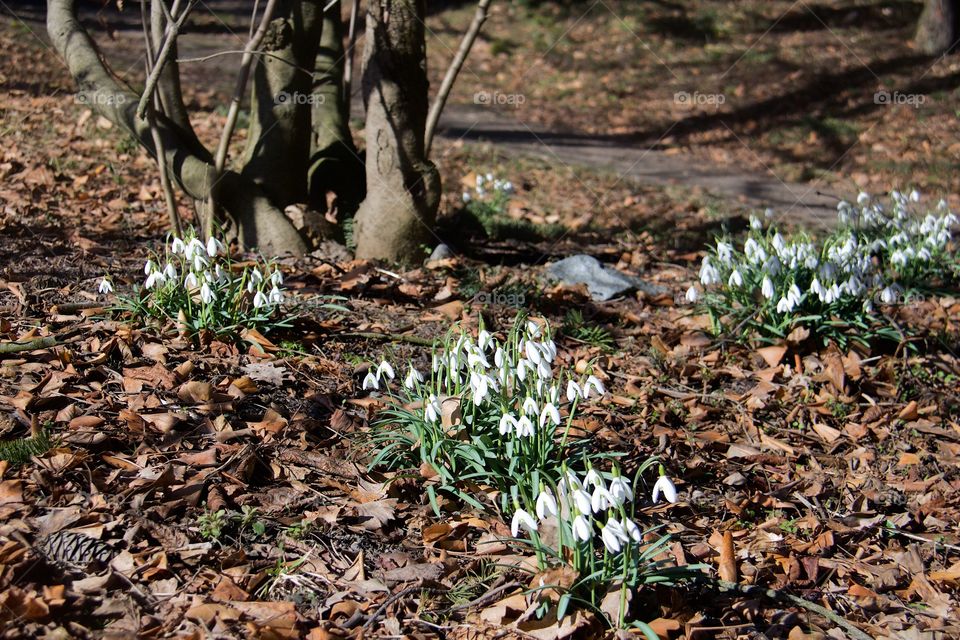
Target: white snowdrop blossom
692,295
573,391
105,287
582,530
385,369
546,504
522,519
191,282
206,294
766,288
370,381
413,378
735,280
549,414
620,490
259,300
611,540
432,410
665,487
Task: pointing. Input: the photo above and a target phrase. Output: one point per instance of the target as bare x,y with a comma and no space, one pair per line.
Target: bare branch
166,52
453,71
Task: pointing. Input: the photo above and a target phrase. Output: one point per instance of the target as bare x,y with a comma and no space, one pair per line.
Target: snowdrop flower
276,297
170,272
507,424
199,262
582,530
620,490
432,410
385,368
724,252
915,196
544,371
155,278
255,276
593,478
708,273
592,383
632,530
890,294
176,245
756,223
569,482
779,244
549,413
794,294
784,305
601,500
533,352
522,368
148,268
573,391
483,339
530,407
370,381
766,288
413,378
735,279
533,329
863,198
259,300
480,386
105,287
692,295
190,282
546,504
193,248
524,519
581,499
665,486
465,197
276,278
206,294
477,358
213,247
610,538
498,357
524,428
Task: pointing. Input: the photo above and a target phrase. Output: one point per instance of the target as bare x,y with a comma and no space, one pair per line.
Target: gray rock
602,282
442,252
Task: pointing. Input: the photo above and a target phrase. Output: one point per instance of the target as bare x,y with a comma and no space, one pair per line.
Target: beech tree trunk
937,31
403,187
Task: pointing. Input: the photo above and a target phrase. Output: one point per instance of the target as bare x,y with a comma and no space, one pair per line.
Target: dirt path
497,125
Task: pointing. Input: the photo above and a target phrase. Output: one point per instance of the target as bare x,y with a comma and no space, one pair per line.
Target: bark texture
937,31
259,222
403,187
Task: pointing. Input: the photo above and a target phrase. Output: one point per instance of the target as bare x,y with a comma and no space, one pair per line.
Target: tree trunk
335,165
937,31
278,152
403,187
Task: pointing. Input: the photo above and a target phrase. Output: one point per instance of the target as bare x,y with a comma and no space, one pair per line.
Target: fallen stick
28,345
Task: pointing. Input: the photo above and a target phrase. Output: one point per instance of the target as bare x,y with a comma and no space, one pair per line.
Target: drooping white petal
524,519
665,486
105,286
370,381
546,504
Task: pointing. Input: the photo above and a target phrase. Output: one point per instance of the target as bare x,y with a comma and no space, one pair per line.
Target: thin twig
453,71
173,30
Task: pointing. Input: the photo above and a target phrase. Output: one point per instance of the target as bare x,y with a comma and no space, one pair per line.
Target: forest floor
834,470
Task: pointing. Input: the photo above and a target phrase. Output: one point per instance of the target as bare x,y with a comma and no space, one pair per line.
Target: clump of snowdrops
494,417
837,287
196,285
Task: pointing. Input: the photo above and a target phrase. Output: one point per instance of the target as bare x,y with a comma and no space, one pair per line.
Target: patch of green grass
21,450
579,329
